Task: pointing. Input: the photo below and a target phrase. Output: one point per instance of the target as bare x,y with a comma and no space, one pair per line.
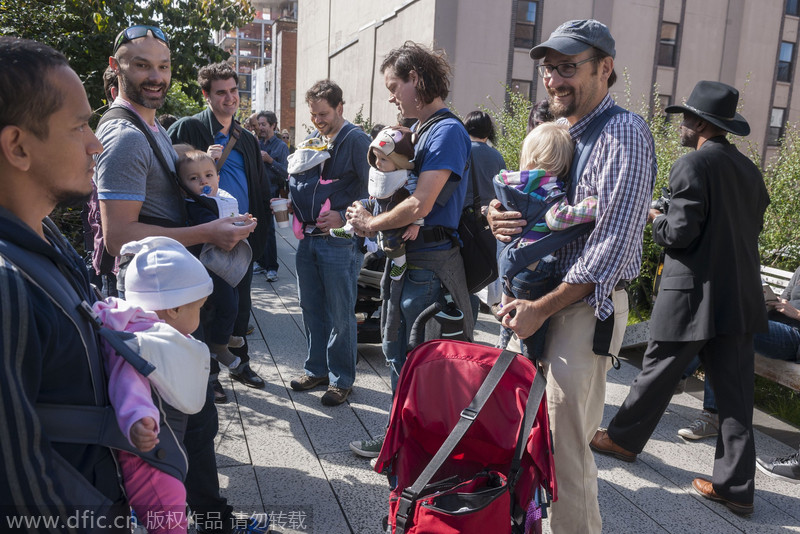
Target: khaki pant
576,390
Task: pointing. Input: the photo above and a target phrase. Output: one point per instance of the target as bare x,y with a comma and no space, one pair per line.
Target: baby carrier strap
585,145
417,137
123,113
81,423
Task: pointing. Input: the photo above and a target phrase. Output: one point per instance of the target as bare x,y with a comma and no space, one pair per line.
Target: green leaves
84,31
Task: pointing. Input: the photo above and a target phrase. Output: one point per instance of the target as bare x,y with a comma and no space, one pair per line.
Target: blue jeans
779,343
421,288
709,400
327,271
532,285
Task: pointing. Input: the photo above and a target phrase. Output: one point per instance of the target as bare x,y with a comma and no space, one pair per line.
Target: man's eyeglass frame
135,32
546,71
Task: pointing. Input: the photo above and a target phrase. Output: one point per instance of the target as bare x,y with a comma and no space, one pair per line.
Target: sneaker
706,426
397,271
335,396
373,463
258,269
250,329
368,448
341,232
272,276
306,382
786,468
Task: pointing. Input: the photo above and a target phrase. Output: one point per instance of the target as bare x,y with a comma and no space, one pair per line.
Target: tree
84,30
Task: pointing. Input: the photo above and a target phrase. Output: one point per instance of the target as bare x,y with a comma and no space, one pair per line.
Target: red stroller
437,389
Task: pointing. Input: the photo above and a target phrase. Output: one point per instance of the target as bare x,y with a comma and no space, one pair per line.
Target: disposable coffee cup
280,207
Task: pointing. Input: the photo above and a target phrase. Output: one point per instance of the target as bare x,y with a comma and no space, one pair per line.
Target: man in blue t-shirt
434,260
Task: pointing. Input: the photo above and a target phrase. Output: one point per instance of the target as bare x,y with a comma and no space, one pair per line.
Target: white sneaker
706,426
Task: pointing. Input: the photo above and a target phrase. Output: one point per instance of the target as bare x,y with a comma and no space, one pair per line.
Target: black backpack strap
123,113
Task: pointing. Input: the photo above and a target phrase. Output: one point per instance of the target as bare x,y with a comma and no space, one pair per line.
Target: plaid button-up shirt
621,172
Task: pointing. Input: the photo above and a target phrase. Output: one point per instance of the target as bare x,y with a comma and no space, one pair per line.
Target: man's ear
113,63
13,147
606,66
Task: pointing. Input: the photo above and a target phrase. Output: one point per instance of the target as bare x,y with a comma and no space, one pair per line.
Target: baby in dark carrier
527,265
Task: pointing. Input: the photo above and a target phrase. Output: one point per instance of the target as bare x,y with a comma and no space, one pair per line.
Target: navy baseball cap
575,36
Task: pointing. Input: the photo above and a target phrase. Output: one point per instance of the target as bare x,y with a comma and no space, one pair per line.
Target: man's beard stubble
134,93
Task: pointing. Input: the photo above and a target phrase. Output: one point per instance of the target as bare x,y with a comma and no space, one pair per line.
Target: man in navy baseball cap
575,36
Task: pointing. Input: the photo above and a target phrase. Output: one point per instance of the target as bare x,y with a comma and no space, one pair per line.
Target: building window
791,7
521,87
776,123
525,30
667,44
785,62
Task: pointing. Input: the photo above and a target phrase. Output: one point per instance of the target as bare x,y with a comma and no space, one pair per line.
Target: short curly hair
430,65
327,90
215,71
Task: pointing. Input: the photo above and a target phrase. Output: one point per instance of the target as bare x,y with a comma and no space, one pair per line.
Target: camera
662,203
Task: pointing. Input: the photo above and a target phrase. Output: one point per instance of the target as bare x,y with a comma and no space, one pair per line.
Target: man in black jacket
49,355
241,174
710,301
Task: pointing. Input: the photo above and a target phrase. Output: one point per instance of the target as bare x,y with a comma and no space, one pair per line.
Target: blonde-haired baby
538,191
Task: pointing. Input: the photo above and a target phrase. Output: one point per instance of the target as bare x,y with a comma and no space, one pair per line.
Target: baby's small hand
143,434
411,233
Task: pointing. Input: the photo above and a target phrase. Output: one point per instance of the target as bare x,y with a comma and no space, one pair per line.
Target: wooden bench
779,371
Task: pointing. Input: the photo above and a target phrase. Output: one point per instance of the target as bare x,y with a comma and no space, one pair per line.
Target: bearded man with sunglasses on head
588,310
139,198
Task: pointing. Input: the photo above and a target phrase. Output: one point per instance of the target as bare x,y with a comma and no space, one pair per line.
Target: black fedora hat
716,103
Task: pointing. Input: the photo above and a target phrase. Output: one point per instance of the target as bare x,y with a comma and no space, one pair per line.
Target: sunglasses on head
135,32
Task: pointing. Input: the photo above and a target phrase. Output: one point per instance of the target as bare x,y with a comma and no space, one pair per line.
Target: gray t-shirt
127,169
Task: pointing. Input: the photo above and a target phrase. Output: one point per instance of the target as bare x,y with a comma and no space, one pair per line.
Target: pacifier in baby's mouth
206,189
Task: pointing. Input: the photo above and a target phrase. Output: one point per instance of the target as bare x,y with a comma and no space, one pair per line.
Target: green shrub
781,233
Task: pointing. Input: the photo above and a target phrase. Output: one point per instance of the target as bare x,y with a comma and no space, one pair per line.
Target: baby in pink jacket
165,278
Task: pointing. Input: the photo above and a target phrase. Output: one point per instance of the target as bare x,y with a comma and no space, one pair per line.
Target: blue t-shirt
232,175
445,146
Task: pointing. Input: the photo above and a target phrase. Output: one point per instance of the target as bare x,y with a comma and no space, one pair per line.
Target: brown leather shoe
706,489
335,396
602,443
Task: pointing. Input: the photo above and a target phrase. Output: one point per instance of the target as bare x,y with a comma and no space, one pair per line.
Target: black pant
243,316
728,361
269,259
202,484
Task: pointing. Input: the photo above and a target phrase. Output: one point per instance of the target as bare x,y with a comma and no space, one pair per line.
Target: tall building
668,44
274,84
250,48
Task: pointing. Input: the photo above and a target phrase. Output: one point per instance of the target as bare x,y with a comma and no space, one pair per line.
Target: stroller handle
418,328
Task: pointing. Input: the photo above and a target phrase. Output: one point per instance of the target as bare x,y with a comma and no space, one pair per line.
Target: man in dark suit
710,301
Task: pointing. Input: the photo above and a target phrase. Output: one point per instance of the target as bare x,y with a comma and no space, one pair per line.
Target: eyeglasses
565,70
135,32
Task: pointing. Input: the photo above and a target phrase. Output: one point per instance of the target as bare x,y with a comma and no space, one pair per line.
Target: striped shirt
621,172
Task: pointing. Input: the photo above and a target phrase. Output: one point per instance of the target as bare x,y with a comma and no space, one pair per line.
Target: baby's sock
398,268
345,231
